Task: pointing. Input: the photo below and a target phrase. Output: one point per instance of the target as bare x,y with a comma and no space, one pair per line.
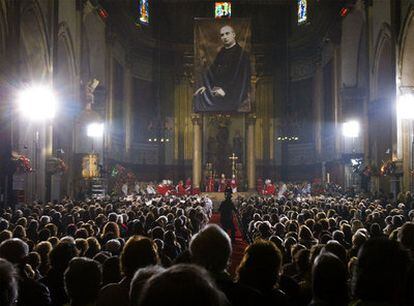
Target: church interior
206,153
330,90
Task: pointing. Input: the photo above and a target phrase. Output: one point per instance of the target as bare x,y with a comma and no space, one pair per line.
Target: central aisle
238,246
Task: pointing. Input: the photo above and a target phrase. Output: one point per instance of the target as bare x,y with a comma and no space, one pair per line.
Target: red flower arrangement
22,163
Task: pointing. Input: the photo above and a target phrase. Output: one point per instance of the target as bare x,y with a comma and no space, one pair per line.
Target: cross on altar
233,159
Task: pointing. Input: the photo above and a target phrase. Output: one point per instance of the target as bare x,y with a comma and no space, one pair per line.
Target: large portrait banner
222,65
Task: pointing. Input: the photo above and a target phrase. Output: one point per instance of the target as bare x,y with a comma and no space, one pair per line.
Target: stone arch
65,41
382,121
65,83
352,42
382,70
34,42
406,60
4,27
406,83
35,68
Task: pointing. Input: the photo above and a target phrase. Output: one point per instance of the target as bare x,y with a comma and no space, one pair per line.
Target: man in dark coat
226,214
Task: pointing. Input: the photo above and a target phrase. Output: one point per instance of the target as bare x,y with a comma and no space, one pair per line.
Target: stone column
251,158
406,154
48,153
128,94
109,71
318,109
197,122
337,101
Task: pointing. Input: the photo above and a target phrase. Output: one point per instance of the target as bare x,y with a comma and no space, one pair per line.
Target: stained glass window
144,11
222,10
302,11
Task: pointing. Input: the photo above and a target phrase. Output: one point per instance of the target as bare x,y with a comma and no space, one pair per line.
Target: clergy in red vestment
162,188
270,188
180,189
210,184
233,184
222,183
188,186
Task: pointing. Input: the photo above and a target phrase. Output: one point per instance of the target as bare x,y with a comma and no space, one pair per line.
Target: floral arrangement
388,168
56,165
22,163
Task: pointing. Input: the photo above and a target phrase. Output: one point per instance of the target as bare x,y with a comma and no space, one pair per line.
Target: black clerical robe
231,72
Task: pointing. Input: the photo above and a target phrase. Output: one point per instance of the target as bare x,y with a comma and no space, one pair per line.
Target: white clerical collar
229,47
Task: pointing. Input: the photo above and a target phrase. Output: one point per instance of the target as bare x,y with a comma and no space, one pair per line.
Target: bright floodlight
351,129
37,103
405,106
95,129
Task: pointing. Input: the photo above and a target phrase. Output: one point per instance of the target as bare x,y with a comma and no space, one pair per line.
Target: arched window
222,10
302,11
144,17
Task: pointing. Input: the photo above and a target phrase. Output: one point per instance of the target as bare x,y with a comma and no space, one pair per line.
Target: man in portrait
224,86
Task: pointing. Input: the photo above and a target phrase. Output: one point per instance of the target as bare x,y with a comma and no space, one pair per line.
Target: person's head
337,249
111,271
33,259
260,265
215,242
111,228
381,271
227,36
406,236
83,279
139,280
329,282
61,255
8,283
14,250
184,285
138,252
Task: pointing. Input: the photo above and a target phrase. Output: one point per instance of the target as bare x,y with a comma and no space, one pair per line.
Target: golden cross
233,159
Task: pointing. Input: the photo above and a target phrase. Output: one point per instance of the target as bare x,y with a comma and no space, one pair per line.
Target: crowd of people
161,250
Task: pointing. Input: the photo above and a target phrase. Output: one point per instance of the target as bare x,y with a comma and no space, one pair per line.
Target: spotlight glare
351,129
405,106
95,129
37,103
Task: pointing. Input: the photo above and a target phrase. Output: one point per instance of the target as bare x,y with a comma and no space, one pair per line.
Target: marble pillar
129,95
197,126
251,158
407,158
318,109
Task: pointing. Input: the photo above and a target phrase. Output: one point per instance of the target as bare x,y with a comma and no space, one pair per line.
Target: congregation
161,250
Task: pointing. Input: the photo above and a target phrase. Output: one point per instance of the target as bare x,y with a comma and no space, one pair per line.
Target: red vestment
222,185
180,189
233,185
210,185
270,189
188,186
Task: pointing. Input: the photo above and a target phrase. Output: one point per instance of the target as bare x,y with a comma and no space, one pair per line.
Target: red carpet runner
238,246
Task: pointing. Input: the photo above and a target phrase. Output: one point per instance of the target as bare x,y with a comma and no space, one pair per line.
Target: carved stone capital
251,119
196,119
